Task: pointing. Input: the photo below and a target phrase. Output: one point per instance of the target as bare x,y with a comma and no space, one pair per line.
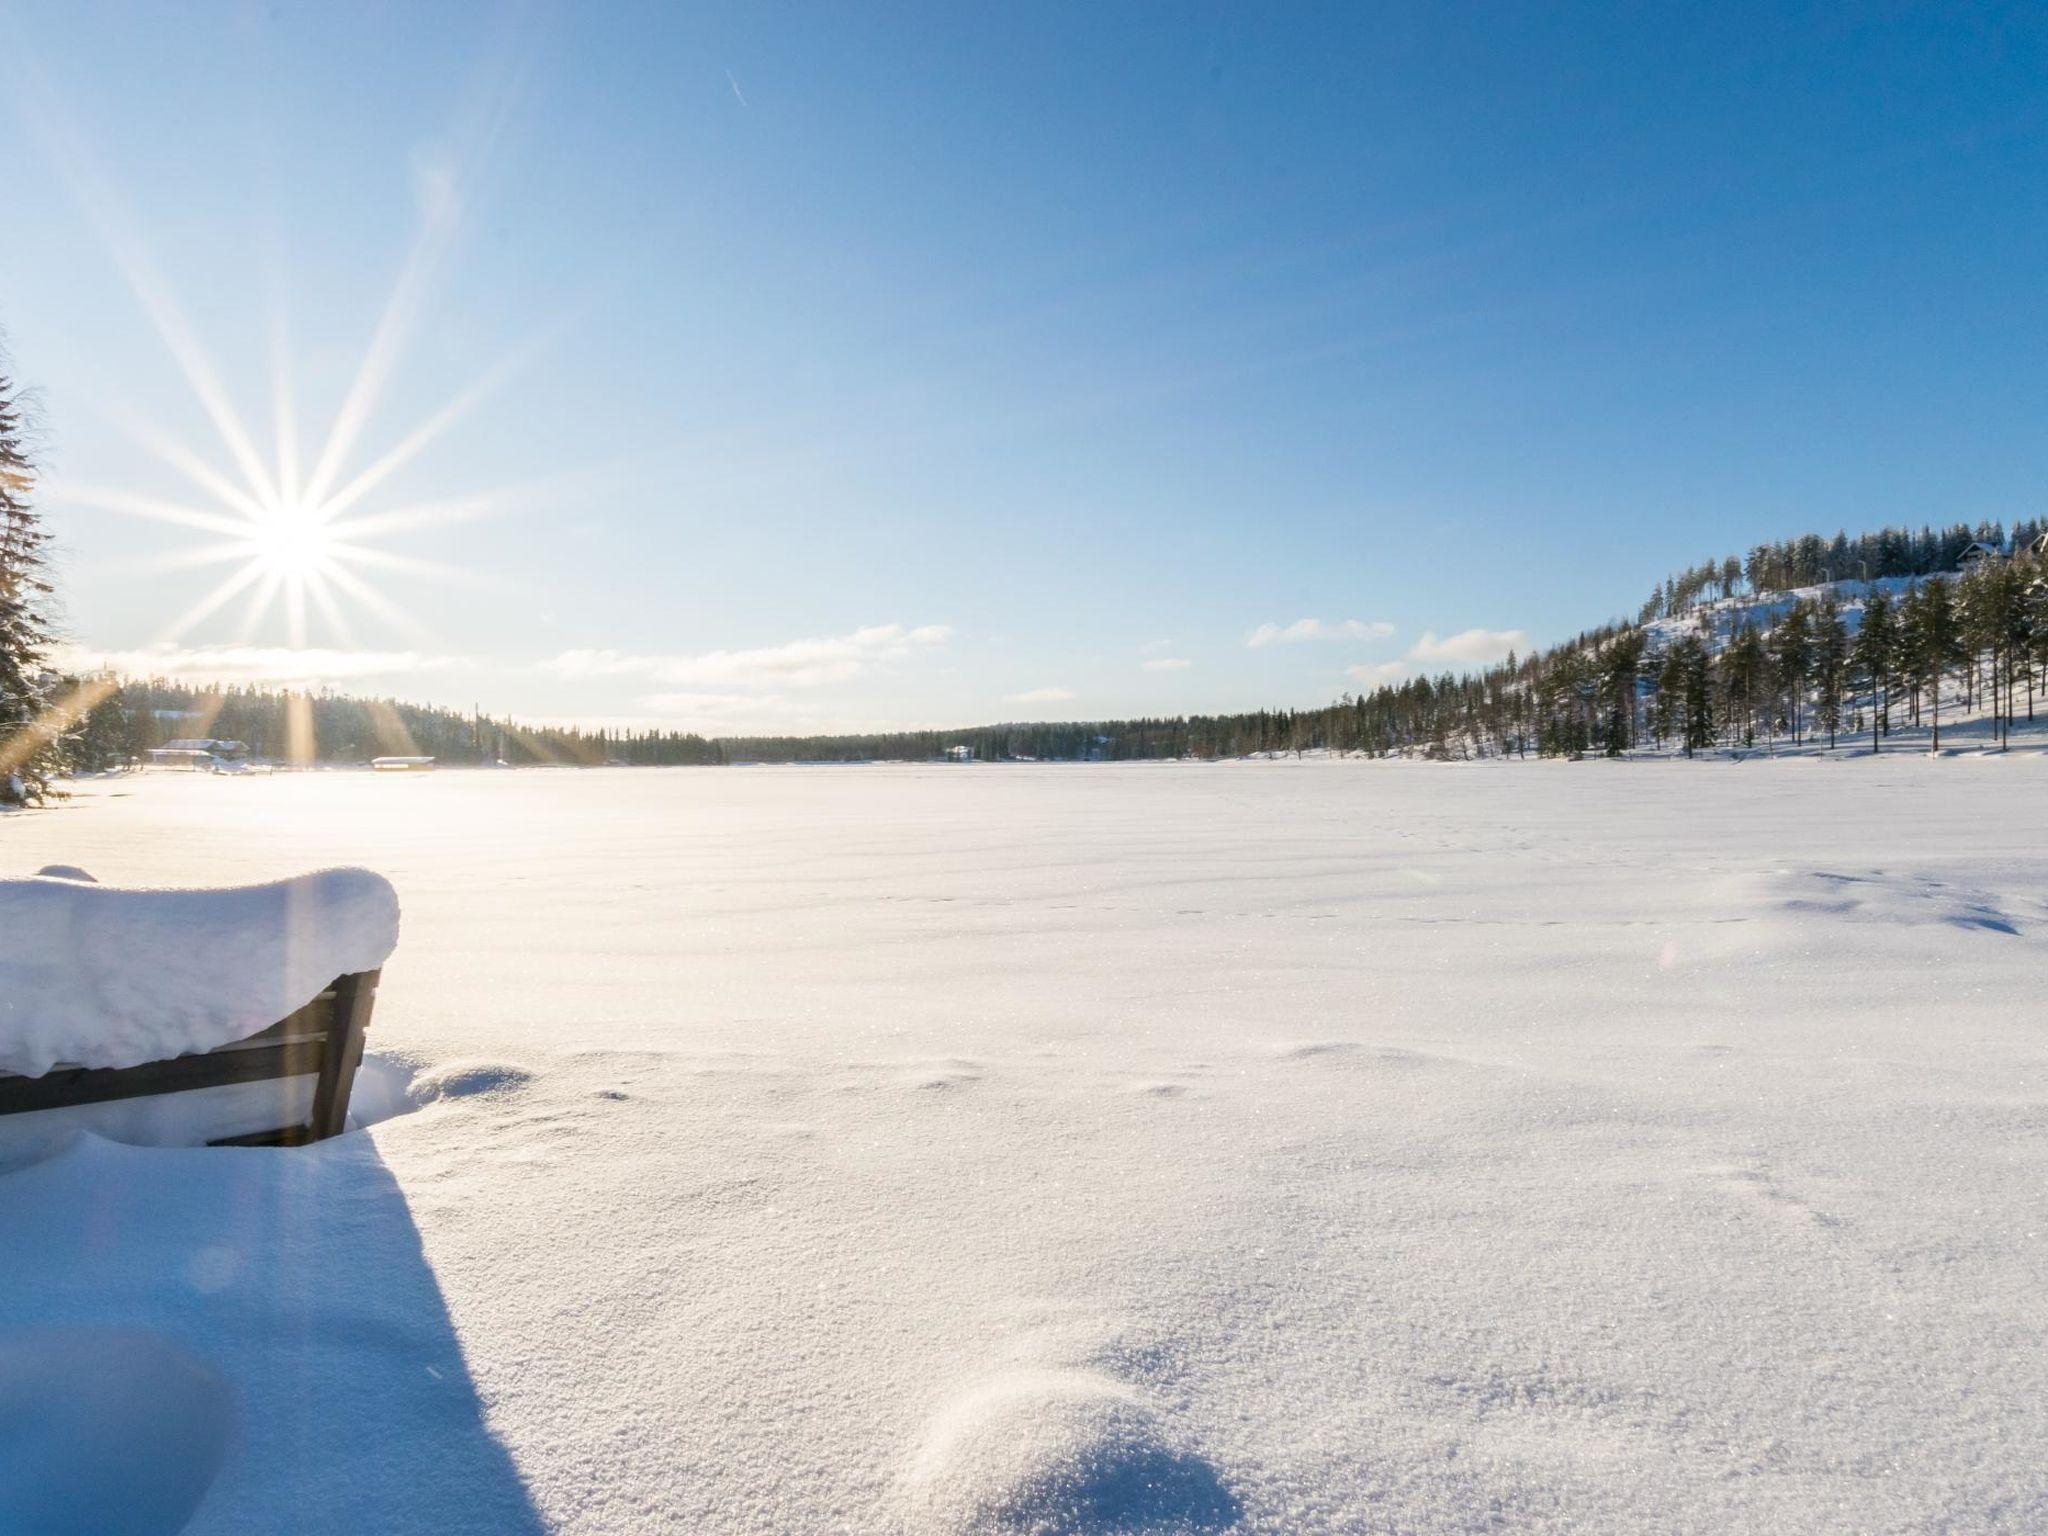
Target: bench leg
354,996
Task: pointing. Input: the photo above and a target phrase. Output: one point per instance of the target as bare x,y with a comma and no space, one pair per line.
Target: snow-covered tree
28,749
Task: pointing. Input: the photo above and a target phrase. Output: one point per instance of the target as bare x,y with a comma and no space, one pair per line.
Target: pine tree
1792,654
1935,641
1830,664
1872,658
1745,668
28,749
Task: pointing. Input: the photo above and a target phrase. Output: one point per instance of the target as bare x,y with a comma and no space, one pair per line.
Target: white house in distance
1977,554
960,754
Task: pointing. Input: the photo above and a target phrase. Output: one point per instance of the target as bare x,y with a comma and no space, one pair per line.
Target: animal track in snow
1759,1185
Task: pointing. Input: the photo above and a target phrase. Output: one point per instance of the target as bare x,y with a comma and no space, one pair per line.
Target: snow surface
95,976
1280,1147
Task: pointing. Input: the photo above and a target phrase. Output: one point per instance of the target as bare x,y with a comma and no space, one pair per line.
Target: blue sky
836,366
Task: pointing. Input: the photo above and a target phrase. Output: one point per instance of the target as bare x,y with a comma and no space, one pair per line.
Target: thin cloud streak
1303,630
256,664
1469,645
795,664
1040,696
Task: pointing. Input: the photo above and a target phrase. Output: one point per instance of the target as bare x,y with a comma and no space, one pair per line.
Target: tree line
1811,561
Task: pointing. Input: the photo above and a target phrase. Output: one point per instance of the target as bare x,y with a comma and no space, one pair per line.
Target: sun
292,543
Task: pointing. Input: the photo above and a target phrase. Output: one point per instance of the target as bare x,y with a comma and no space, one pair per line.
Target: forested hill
1861,637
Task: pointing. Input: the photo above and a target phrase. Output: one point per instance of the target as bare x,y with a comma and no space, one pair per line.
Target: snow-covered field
1280,1147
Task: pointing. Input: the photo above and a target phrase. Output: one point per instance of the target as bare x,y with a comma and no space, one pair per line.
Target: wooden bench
323,1040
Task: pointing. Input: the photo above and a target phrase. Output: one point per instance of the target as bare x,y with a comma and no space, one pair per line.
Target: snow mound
102,977
393,1083
466,1079
1061,1453
106,1432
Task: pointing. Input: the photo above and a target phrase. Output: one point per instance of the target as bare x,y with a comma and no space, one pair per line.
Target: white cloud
1154,647
256,664
1377,672
1316,629
796,664
1166,664
1040,696
1469,645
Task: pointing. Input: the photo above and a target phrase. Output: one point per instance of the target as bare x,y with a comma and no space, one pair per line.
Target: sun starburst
300,541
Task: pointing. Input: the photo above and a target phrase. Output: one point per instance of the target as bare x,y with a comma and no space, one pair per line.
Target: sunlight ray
283,403
108,499
54,720
207,710
259,605
301,749
330,610
210,602
109,216
188,464
438,223
479,127
411,565
379,604
295,607
200,556
421,514
393,739
421,437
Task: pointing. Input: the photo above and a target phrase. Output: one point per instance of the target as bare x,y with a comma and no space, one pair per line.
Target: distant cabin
191,759
1977,554
196,754
960,754
401,764
226,751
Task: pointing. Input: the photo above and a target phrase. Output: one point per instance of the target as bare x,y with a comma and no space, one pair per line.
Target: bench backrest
324,1039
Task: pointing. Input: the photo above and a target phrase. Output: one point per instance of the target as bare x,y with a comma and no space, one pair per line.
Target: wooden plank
99,1085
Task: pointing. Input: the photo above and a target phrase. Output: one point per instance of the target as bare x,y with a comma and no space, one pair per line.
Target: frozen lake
1283,1147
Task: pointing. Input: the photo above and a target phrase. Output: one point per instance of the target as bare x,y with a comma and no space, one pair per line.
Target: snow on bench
176,1017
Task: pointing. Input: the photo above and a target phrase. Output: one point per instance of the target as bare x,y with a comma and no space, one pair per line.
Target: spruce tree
1792,655
1935,641
1830,663
28,749
1872,656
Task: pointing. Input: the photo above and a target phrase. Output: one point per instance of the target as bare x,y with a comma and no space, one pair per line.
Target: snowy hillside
1716,623
1288,1148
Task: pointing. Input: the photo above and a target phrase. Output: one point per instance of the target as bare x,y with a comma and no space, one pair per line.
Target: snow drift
102,977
